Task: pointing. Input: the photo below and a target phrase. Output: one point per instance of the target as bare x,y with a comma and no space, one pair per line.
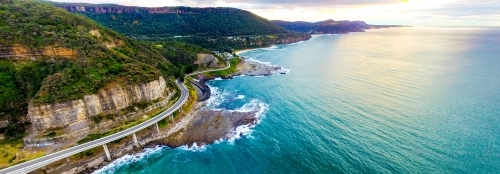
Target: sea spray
130,159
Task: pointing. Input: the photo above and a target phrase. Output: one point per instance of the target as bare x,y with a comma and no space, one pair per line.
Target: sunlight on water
400,100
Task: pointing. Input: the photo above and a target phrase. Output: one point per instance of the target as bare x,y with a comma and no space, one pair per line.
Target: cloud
254,3
298,3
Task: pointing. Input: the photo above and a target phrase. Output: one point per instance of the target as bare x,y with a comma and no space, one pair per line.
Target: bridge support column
157,128
171,118
108,156
136,143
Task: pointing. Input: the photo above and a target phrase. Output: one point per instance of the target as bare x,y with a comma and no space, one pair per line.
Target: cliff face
110,99
206,60
154,10
19,51
325,27
284,40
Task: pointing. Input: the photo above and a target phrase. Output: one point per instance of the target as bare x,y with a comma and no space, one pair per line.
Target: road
227,66
48,159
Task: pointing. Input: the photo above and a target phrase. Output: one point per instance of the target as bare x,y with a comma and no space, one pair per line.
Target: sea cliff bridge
43,161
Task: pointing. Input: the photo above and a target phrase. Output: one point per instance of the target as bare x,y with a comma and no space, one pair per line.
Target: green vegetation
324,27
49,55
10,154
234,63
221,29
228,44
177,21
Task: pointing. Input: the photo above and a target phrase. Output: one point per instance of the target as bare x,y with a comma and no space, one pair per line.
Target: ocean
397,100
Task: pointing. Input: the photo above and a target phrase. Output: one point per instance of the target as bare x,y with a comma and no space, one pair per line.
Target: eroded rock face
207,60
210,126
110,99
21,52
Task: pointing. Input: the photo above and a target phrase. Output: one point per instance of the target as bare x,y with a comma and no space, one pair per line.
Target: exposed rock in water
253,68
209,126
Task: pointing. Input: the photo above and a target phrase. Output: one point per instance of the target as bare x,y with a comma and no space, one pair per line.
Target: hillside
329,26
175,21
51,56
324,27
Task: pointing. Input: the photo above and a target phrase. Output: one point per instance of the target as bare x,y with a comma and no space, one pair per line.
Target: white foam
239,97
246,130
244,51
239,132
296,43
280,71
218,78
272,47
258,61
259,107
194,148
129,159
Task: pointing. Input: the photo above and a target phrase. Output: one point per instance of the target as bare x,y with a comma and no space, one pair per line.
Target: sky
400,12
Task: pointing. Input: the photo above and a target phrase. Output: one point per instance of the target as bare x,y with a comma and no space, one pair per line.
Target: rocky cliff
19,51
282,40
206,60
110,99
110,8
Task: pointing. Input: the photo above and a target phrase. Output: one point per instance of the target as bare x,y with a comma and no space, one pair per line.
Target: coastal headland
198,126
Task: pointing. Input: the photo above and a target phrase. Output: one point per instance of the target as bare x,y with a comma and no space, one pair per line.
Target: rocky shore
201,126
251,67
206,126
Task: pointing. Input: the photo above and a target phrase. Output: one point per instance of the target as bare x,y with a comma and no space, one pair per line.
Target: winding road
48,159
59,155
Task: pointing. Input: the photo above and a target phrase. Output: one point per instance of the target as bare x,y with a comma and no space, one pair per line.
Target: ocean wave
272,47
216,99
296,43
281,71
243,51
259,61
129,159
260,108
254,105
194,148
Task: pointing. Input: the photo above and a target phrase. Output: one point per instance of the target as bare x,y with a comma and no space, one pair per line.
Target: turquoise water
400,100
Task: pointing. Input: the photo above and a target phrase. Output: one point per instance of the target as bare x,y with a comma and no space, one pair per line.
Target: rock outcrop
18,51
207,60
209,126
109,99
151,10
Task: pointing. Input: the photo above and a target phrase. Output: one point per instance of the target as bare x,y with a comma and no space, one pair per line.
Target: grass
11,153
234,63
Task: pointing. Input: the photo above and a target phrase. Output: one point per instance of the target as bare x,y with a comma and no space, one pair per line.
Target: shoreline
150,139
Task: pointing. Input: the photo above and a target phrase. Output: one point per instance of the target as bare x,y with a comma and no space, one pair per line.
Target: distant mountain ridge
329,26
175,21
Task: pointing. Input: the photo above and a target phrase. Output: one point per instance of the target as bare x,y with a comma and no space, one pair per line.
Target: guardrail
59,155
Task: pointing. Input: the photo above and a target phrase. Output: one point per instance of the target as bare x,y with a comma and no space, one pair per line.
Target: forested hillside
330,26
49,55
324,27
175,21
